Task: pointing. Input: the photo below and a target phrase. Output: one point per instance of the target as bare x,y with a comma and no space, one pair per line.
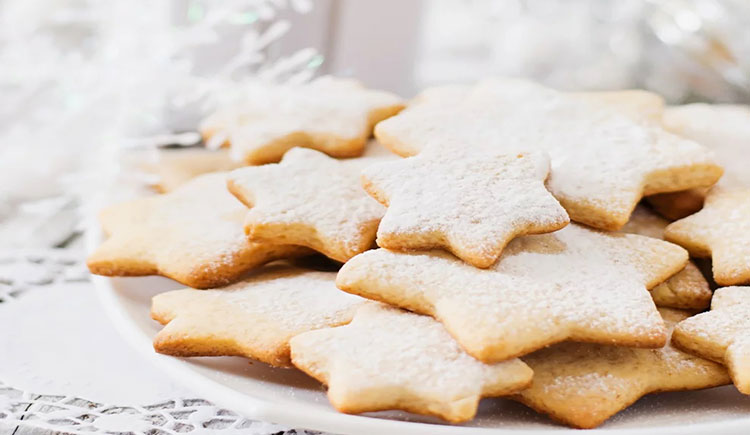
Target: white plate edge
259,409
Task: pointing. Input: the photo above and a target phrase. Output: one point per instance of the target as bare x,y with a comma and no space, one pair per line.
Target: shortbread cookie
678,205
573,284
254,318
471,206
193,235
635,103
332,115
722,334
603,161
387,358
725,129
174,167
308,199
374,153
686,289
721,230
582,384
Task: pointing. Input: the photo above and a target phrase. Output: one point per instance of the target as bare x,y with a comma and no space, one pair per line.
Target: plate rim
257,408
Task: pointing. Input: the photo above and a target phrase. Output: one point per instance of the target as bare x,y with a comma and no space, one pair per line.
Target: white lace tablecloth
65,370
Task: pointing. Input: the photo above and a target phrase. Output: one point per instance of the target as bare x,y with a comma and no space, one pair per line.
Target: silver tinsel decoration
81,80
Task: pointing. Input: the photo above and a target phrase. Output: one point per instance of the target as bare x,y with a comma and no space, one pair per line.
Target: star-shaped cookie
387,358
722,334
688,288
308,199
677,205
721,230
175,167
603,161
471,206
582,384
573,284
637,104
193,235
332,115
723,128
254,318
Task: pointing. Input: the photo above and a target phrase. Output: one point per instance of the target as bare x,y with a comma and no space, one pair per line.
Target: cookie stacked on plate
506,253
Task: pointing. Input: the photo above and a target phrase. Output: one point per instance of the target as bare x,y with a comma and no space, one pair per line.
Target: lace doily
70,414
23,270
26,271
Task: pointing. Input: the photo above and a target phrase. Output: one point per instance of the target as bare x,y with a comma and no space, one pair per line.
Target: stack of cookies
500,239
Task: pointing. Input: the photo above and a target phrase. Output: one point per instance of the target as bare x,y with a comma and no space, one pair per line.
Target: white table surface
64,369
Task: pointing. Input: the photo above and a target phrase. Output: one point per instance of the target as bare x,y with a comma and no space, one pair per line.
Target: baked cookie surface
254,318
193,235
723,128
582,384
686,289
332,115
603,161
308,199
722,334
573,284
175,167
471,206
721,230
409,362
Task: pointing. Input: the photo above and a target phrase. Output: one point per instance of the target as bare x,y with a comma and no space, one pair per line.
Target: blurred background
82,80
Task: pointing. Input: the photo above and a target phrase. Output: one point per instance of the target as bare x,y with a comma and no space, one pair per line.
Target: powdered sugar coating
573,284
687,288
472,206
308,199
637,104
175,167
584,384
645,223
721,230
328,114
722,334
723,128
255,318
602,160
409,362
193,235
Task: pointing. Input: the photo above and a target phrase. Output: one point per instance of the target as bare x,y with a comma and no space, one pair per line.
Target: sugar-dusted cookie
637,104
471,206
603,161
254,318
388,358
174,167
687,288
193,235
575,284
374,153
332,115
722,334
582,384
723,128
721,230
308,199
678,205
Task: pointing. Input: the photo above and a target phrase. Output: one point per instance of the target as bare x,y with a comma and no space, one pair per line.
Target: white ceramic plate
288,397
